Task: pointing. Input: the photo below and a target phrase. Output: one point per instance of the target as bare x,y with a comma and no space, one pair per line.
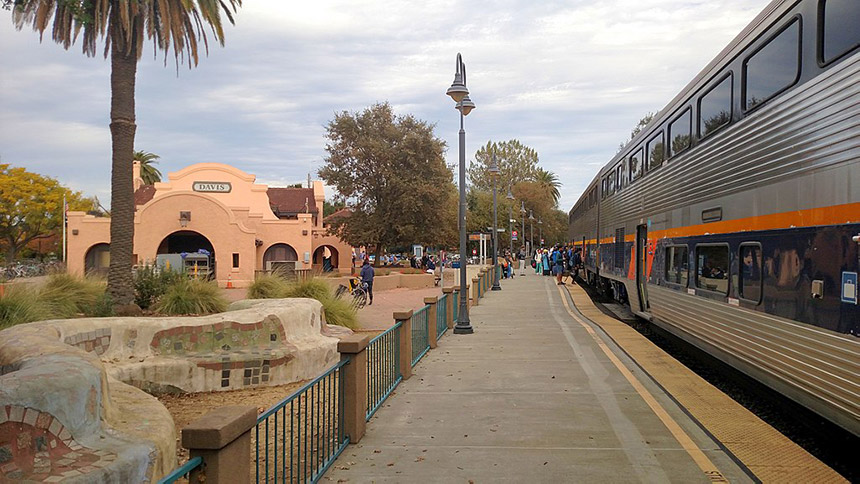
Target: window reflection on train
712,268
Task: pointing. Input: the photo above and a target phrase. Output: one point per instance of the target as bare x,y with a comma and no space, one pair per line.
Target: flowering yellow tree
31,205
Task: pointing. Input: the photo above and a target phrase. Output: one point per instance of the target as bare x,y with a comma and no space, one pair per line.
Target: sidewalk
529,397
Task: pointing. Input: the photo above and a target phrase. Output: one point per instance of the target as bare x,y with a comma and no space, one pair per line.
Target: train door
641,265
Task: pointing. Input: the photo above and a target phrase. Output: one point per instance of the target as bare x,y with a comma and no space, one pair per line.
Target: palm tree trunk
122,129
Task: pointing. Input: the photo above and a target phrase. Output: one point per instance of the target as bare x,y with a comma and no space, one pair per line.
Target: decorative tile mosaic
96,341
44,452
223,347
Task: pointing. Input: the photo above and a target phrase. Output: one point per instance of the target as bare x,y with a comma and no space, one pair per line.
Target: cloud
568,78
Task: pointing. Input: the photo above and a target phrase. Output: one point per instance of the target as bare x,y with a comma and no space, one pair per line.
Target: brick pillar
354,385
405,317
449,303
476,290
222,438
431,320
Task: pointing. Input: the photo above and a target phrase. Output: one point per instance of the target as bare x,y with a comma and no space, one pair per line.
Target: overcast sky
567,78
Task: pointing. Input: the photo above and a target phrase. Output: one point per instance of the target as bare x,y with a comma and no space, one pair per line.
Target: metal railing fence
383,367
441,316
420,334
182,471
456,305
299,437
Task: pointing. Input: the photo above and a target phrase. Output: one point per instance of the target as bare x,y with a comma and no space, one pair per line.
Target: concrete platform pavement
531,396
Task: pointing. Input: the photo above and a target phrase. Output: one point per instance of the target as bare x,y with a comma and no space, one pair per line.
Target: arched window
97,260
280,252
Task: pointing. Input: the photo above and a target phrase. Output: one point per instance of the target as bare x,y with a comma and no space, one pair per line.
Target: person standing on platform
367,275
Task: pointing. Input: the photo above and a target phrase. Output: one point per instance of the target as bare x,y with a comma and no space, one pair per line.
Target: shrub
151,283
267,287
190,296
66,296
337,311
340,312
19,305
310,288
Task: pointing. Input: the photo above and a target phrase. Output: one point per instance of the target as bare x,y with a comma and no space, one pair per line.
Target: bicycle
357,289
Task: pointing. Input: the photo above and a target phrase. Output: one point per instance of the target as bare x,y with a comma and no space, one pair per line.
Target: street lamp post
494,172
523,233
540,230
460,94
532,229
510,198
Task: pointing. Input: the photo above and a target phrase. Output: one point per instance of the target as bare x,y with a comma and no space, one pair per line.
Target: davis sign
211,187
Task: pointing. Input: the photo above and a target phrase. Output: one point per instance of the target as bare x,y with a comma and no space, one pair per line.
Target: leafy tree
123,25
31,205
332,207
148,172
517,163
391,173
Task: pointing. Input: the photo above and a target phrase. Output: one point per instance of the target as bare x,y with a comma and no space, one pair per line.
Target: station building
243,225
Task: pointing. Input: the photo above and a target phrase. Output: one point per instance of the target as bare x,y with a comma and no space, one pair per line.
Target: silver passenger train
733,219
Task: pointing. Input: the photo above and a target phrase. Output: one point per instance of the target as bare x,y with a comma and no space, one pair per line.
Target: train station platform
549,389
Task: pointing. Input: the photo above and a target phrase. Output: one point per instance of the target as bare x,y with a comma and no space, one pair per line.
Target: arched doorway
97,260
279,252
326,257
199,254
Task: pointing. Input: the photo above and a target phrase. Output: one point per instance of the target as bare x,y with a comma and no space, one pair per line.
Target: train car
583,228
732,220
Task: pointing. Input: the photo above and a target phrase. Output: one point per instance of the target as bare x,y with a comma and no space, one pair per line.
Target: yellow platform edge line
768,454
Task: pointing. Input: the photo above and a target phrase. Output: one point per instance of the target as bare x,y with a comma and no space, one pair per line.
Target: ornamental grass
191,296
339,312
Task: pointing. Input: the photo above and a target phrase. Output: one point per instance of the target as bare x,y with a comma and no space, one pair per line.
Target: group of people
559,261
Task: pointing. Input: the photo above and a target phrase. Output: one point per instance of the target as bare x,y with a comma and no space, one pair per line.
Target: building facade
216,210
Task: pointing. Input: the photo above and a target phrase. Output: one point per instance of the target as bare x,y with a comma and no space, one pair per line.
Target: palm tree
148,173
122,25
548,181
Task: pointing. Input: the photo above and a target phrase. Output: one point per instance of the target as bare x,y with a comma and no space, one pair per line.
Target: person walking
538,262
558,264
367,275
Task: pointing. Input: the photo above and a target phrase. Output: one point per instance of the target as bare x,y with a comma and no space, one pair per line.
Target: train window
773,67
837,28
619,248
655,151
681,132
619,176
635,165
749,285
715,107
712,268
677,265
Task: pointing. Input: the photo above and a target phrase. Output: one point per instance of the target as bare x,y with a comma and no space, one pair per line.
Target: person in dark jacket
367,275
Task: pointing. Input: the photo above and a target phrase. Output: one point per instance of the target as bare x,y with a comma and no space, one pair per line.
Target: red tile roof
143,195
344,212
292,200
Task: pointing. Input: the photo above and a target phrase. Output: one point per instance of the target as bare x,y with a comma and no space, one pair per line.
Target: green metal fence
441,316
383,367
299,437
420,334
182,471
456,305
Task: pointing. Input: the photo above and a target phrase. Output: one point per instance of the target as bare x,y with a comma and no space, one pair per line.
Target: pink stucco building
218,208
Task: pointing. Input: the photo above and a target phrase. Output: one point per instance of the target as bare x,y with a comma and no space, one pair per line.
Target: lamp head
466,105
509,196
458,90
531,215
494,167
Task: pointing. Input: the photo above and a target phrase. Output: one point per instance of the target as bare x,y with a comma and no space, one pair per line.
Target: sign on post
514,235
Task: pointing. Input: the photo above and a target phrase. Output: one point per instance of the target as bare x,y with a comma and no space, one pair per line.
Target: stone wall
70,400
